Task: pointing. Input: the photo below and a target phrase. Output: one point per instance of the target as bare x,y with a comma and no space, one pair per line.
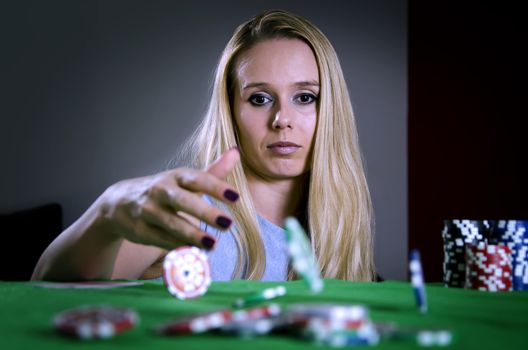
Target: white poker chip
301,254
186,272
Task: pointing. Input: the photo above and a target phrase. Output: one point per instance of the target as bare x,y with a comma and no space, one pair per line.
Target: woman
280,96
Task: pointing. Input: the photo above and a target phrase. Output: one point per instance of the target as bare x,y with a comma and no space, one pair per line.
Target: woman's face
275,107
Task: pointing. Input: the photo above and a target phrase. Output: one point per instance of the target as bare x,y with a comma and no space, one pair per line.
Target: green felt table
478,320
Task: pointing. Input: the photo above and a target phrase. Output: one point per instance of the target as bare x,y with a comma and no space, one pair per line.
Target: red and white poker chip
218,319
186,272
95,322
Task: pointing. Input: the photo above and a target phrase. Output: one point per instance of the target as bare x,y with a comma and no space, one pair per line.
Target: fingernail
222,221
208,242
231,195
235,147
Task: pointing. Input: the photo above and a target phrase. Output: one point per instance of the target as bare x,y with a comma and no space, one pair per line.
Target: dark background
92,92
467,111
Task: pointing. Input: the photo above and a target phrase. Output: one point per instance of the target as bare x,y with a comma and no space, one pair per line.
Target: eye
305,98
259,99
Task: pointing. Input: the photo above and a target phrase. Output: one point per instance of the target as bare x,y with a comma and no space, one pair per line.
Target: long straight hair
338,209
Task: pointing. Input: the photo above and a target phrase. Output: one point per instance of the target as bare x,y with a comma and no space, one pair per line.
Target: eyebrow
299,83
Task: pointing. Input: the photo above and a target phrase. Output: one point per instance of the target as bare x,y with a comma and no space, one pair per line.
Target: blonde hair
339,210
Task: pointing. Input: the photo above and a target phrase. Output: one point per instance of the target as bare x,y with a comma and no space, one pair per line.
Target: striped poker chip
186,272
488,267
95,322
216,320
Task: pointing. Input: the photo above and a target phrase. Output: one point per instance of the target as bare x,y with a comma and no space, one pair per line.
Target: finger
179,199
177,227
225,164
145,233
205,182
187,202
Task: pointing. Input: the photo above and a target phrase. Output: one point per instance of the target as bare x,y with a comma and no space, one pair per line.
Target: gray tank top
224,256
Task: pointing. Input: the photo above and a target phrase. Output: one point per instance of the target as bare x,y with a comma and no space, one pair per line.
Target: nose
281,120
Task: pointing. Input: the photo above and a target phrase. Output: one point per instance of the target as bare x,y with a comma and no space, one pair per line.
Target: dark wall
467,144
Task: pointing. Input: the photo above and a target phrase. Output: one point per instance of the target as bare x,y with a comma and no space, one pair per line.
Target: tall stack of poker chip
513,234
488,267
456,234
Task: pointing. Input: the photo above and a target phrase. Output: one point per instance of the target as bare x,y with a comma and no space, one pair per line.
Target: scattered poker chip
186,272
428,338
333,324
196,324
265,295
253,322
216,320
95,322
301,254
425,337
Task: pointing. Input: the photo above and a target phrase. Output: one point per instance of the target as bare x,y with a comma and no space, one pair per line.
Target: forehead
277,61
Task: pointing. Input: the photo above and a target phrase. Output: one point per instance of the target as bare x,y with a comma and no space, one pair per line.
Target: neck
277,199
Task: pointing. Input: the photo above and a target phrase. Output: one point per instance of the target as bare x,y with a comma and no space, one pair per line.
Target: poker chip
186,272
434,338
95,322
301,254
254,322
459,233
425,337
333,324
265,295
216,320
417,280
488,267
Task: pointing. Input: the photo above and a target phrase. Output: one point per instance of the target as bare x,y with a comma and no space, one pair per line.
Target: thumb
225,164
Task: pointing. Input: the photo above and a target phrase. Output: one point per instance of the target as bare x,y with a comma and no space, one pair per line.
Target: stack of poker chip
513,234
456,234
186,272
488,267
332,324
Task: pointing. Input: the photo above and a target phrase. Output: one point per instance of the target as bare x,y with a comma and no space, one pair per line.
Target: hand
165,209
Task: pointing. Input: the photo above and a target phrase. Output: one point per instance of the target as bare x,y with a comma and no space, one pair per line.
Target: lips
283,147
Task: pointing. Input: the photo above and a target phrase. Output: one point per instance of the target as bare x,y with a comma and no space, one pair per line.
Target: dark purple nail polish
231,195
222,221
235,147
208,242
